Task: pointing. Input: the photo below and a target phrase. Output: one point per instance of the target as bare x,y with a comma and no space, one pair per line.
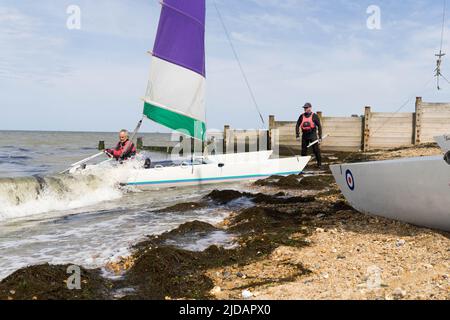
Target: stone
226,274
399,293
216,290
246,294
400,243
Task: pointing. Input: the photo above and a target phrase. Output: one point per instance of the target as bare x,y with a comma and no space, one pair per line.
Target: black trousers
306,140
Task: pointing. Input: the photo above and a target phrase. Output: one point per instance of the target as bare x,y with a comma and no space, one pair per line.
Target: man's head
307,107
123,135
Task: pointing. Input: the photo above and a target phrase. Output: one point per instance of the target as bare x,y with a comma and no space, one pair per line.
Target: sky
292,51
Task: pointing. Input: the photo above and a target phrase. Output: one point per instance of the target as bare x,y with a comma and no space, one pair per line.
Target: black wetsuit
311,136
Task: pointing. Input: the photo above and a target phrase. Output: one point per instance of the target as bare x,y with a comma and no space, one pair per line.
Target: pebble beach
296,239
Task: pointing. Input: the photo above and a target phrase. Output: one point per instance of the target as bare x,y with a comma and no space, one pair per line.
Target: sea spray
21,197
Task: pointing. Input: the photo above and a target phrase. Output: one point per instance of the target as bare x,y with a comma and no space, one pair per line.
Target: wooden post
193,144
140,143
101,145
258,141
181,153
271,122
269,133
418,121
319,113
226,132
366,130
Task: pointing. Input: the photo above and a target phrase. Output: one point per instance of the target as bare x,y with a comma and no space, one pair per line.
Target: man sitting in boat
309,123
125,148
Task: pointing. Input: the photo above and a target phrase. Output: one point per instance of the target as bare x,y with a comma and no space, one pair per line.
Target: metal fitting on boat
447,157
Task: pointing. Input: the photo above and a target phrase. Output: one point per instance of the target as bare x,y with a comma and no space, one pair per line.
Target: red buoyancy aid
308,123
121,148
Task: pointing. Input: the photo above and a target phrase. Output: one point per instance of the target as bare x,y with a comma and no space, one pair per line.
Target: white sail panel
177,88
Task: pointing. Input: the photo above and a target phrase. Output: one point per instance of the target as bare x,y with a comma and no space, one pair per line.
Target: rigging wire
406,103
438,73
440,55
240,64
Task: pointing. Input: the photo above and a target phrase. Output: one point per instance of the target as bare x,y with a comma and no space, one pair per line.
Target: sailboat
175,98
413,190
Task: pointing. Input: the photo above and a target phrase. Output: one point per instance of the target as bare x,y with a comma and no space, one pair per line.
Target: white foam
23,197
93,241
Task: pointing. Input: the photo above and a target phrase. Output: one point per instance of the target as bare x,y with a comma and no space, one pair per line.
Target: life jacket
124,151
308,124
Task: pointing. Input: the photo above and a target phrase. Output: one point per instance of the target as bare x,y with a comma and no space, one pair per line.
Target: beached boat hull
415,190
218,169
444,142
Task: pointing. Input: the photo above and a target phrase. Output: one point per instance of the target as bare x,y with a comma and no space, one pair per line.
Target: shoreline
296,241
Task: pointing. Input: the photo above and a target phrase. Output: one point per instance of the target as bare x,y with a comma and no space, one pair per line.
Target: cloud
285,4
247,39
266,20
292,51
27,51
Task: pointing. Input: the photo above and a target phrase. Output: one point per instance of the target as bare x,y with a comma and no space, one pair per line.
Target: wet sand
298,240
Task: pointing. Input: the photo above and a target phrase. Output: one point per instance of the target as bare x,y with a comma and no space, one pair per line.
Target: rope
405,104
239,63
443,24
438,73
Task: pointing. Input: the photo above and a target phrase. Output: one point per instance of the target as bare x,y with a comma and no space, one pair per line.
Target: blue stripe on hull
211,179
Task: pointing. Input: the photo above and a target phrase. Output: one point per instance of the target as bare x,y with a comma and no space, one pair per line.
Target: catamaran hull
444,142
214,173
415,190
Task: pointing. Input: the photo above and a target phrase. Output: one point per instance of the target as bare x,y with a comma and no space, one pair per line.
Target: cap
307,105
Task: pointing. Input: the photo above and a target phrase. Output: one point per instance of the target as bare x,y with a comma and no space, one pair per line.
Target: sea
85,220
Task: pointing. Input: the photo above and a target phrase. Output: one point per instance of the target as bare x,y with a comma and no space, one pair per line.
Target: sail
175,95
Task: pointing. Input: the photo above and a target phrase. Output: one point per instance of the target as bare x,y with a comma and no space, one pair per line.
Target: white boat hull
444,142
219,169
415,190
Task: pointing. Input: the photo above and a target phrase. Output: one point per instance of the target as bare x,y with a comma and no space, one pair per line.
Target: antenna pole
440,55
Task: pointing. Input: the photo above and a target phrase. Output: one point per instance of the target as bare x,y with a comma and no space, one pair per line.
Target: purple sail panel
181,34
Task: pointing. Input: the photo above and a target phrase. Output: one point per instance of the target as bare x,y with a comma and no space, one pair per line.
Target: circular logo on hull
350,180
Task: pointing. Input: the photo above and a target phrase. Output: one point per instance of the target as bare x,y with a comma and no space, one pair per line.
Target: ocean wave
11,157
22,197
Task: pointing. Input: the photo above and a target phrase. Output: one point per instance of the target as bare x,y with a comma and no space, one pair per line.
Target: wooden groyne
369,131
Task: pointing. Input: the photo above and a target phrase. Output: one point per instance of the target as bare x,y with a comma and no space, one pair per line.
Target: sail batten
175,95
165,4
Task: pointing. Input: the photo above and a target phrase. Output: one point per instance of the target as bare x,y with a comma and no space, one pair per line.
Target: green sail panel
176,121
